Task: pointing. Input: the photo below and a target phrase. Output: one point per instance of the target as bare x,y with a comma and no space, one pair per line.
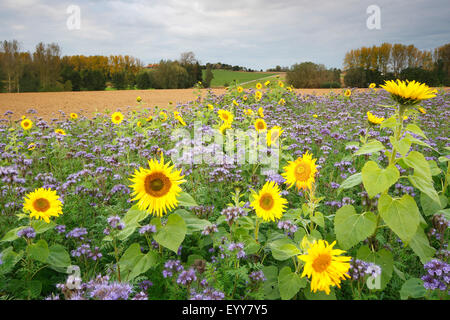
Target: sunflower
245,97
162,116
258,95
273,135
325,266
157,188
261,112
149,119
235,103
315,116
301,172
248,112
268,203
374,119
31,146
372,85
138,99
267,83
282,101
225,115
60,131
178,116
260,125
258,86
43,204
139,124
409,92
281,84
348,93
117,117
240,89
26,124
422,110
226,125
73,116
210,107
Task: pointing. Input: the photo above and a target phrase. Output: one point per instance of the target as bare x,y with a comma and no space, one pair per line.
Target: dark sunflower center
41,205
302,172
266,201
117,118
157,184
260,125
322,262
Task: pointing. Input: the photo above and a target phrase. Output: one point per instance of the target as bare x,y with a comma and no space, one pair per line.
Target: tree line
387,61
46,69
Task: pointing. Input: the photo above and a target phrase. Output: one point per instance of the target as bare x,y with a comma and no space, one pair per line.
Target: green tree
209,76
143,80
119,80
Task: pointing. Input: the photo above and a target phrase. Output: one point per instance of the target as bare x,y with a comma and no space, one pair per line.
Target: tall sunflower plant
400,215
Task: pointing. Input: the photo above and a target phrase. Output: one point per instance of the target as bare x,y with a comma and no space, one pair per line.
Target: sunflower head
31,146
117,118
258,86
149,119
240,89
348,93
138,99
73,116
261,112
156,189
225,115
245,97
267,83
162,116
374,119
422,110
282,101
43,204
226,125
372,85
260,125
273,135
268,203
258,95
60,131
301,172
408,93
26,124
210,107
281,84
325,266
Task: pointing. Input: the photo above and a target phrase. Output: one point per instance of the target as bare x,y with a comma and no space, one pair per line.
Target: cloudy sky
255,33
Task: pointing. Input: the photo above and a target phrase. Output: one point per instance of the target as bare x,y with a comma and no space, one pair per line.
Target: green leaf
421,167
127,231
401,215
40,226
435,170
401,146
289,283
134,216
270,286
193,223
416,130
352,228
11,235
10,259
412,288
389,123
318,295
350,182
417,141
378,180
172,234
383,258
370,147
420,245
283,249
39,251
58,256
429,206
426,186
133,262
186,200
318,219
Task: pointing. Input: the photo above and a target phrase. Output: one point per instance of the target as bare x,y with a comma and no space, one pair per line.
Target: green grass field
226,78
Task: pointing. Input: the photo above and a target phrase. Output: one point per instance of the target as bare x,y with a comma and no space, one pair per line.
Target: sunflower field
356,207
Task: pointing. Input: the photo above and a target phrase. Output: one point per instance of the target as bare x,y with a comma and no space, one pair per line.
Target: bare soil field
48,104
